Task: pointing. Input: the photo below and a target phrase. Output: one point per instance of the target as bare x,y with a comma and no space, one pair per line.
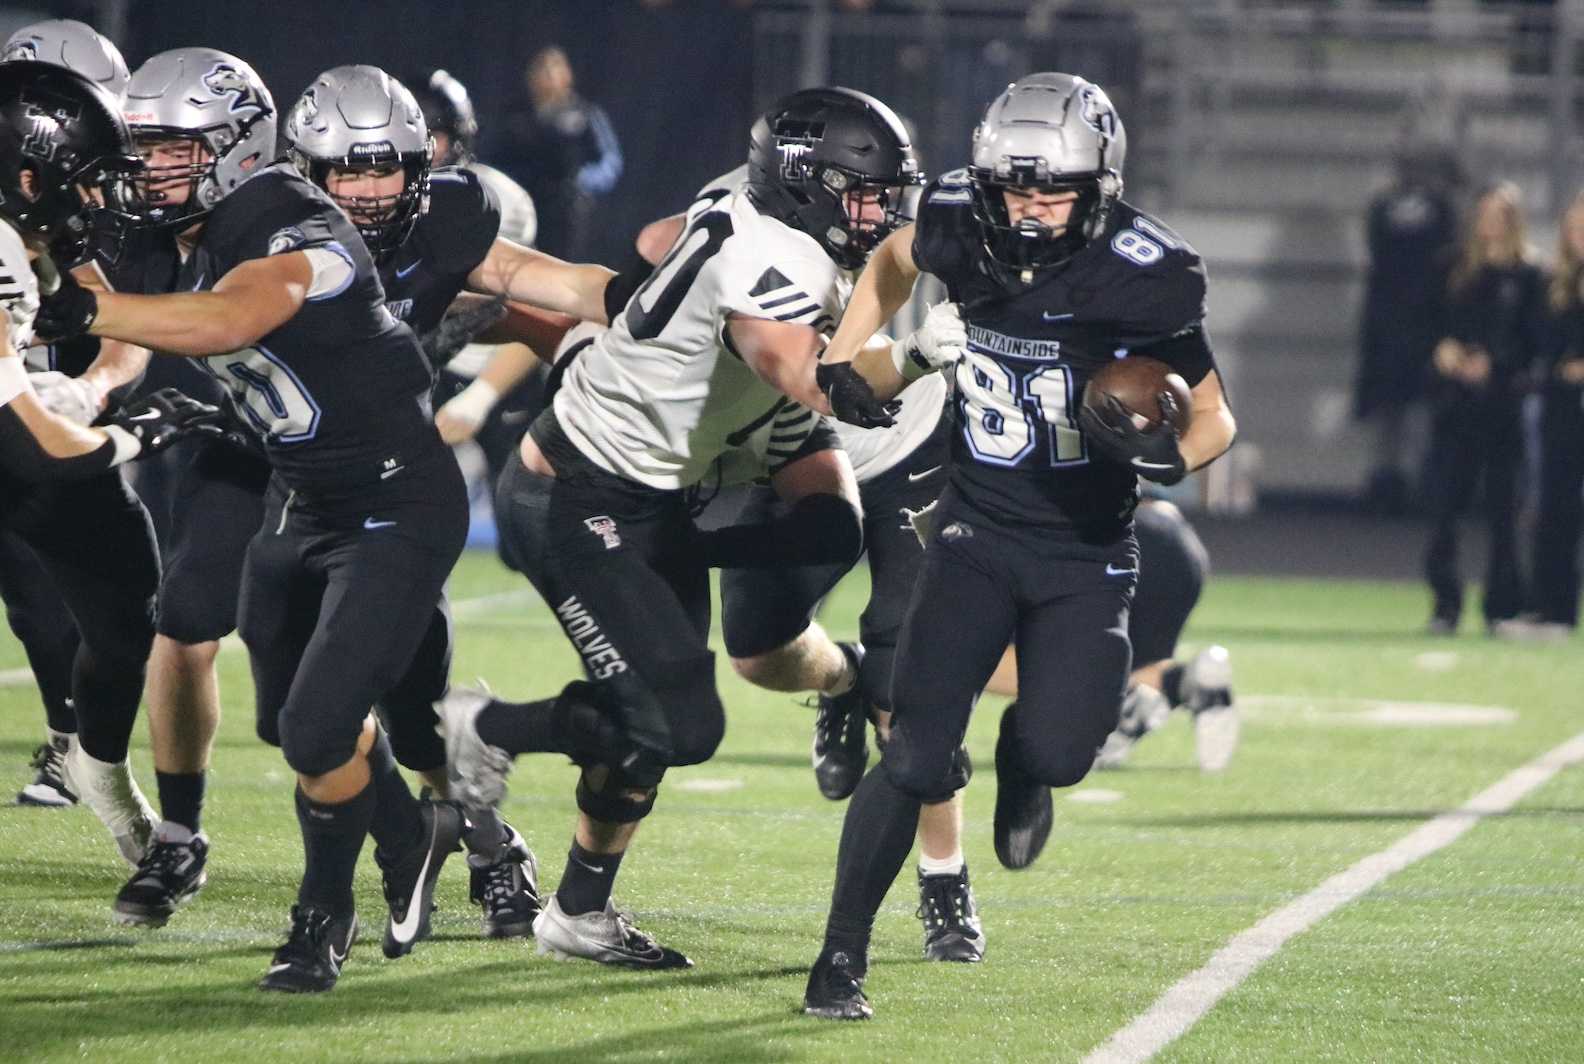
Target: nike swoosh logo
404,931
278,968
1048,316
371,524
598,870
1112,570
403,273
337,959
387,474
1139,463
147,415
927,473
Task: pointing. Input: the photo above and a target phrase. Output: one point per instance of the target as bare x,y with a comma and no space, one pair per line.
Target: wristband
127,446
910,365
473,403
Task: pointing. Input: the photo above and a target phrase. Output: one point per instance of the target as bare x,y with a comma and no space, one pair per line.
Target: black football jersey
339,392
1018,454
449,241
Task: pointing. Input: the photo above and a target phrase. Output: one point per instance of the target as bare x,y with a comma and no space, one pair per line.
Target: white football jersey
661,395
18,288
874,451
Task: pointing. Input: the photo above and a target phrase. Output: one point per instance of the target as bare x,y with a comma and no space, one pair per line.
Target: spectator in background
1491,333
564,150
1556,535
1412,230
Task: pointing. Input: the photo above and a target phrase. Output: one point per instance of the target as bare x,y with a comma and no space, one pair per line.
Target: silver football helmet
210,97
1054,133
73,45
361,118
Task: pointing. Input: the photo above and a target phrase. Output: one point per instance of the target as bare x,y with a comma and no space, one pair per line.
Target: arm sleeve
23,458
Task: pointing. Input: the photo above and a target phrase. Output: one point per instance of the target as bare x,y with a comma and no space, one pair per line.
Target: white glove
72,398
459,418
933,346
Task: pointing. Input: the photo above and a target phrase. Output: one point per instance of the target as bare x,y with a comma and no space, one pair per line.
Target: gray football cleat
1207,694
607,936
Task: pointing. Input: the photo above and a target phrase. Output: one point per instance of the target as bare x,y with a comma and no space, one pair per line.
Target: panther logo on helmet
308,106
226,80
25,50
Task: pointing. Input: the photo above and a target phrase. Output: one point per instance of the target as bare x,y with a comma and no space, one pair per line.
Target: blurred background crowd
1383,190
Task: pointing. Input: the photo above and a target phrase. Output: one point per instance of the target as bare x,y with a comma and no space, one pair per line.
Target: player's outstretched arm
882,290
247,304
528,276
783,354
1212,428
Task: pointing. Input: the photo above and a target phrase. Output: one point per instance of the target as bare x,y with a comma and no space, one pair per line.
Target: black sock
877,837
520,727
396,824
1171,684
181,796
587,883
332,839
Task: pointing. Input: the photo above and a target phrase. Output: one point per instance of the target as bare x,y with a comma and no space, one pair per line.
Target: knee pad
672,711
413,738
316,749
611,802
920,772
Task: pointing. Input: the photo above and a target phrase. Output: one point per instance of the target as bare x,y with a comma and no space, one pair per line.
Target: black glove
66,308
161,418
1152,453
851,398
458,329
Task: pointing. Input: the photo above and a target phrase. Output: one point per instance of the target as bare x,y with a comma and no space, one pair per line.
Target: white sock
848,680
941,866
170,831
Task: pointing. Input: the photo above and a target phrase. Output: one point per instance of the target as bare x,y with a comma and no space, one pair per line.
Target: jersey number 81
1007,415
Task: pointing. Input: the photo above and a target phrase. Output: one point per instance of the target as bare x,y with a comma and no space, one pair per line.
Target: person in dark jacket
564,151
1556,536
1412,231
1492,332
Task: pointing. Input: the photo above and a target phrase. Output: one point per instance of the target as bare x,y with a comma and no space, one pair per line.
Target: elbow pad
819,529
620,289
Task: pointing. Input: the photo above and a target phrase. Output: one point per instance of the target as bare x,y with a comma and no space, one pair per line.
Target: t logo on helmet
795,139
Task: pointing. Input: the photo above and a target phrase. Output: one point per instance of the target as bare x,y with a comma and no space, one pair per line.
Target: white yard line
1192,997
461,609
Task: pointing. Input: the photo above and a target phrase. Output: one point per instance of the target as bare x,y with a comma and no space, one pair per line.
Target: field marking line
461,609
1187,1001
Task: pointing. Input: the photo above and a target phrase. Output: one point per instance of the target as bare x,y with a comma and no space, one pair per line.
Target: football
1137,383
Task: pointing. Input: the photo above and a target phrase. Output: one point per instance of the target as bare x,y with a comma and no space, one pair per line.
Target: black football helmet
65,155
816,148
447,109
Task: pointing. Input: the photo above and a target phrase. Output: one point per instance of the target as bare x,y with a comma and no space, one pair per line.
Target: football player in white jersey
64,152
721,342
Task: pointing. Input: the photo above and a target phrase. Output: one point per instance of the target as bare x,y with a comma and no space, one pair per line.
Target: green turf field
1475,953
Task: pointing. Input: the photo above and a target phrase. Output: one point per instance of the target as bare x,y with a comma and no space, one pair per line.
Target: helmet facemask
156,183
838,196
1029,244
384,222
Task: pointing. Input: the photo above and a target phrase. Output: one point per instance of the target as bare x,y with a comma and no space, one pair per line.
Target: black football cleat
316,947
409,878
840,732
169,874
1023,811
835,988
507,890
952,931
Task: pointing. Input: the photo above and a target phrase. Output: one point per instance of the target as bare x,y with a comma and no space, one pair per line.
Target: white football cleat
476,769
1207,693
111,792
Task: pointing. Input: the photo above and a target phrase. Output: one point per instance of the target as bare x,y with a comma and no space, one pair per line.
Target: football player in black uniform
279,296
360,135
1033,541
62,137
